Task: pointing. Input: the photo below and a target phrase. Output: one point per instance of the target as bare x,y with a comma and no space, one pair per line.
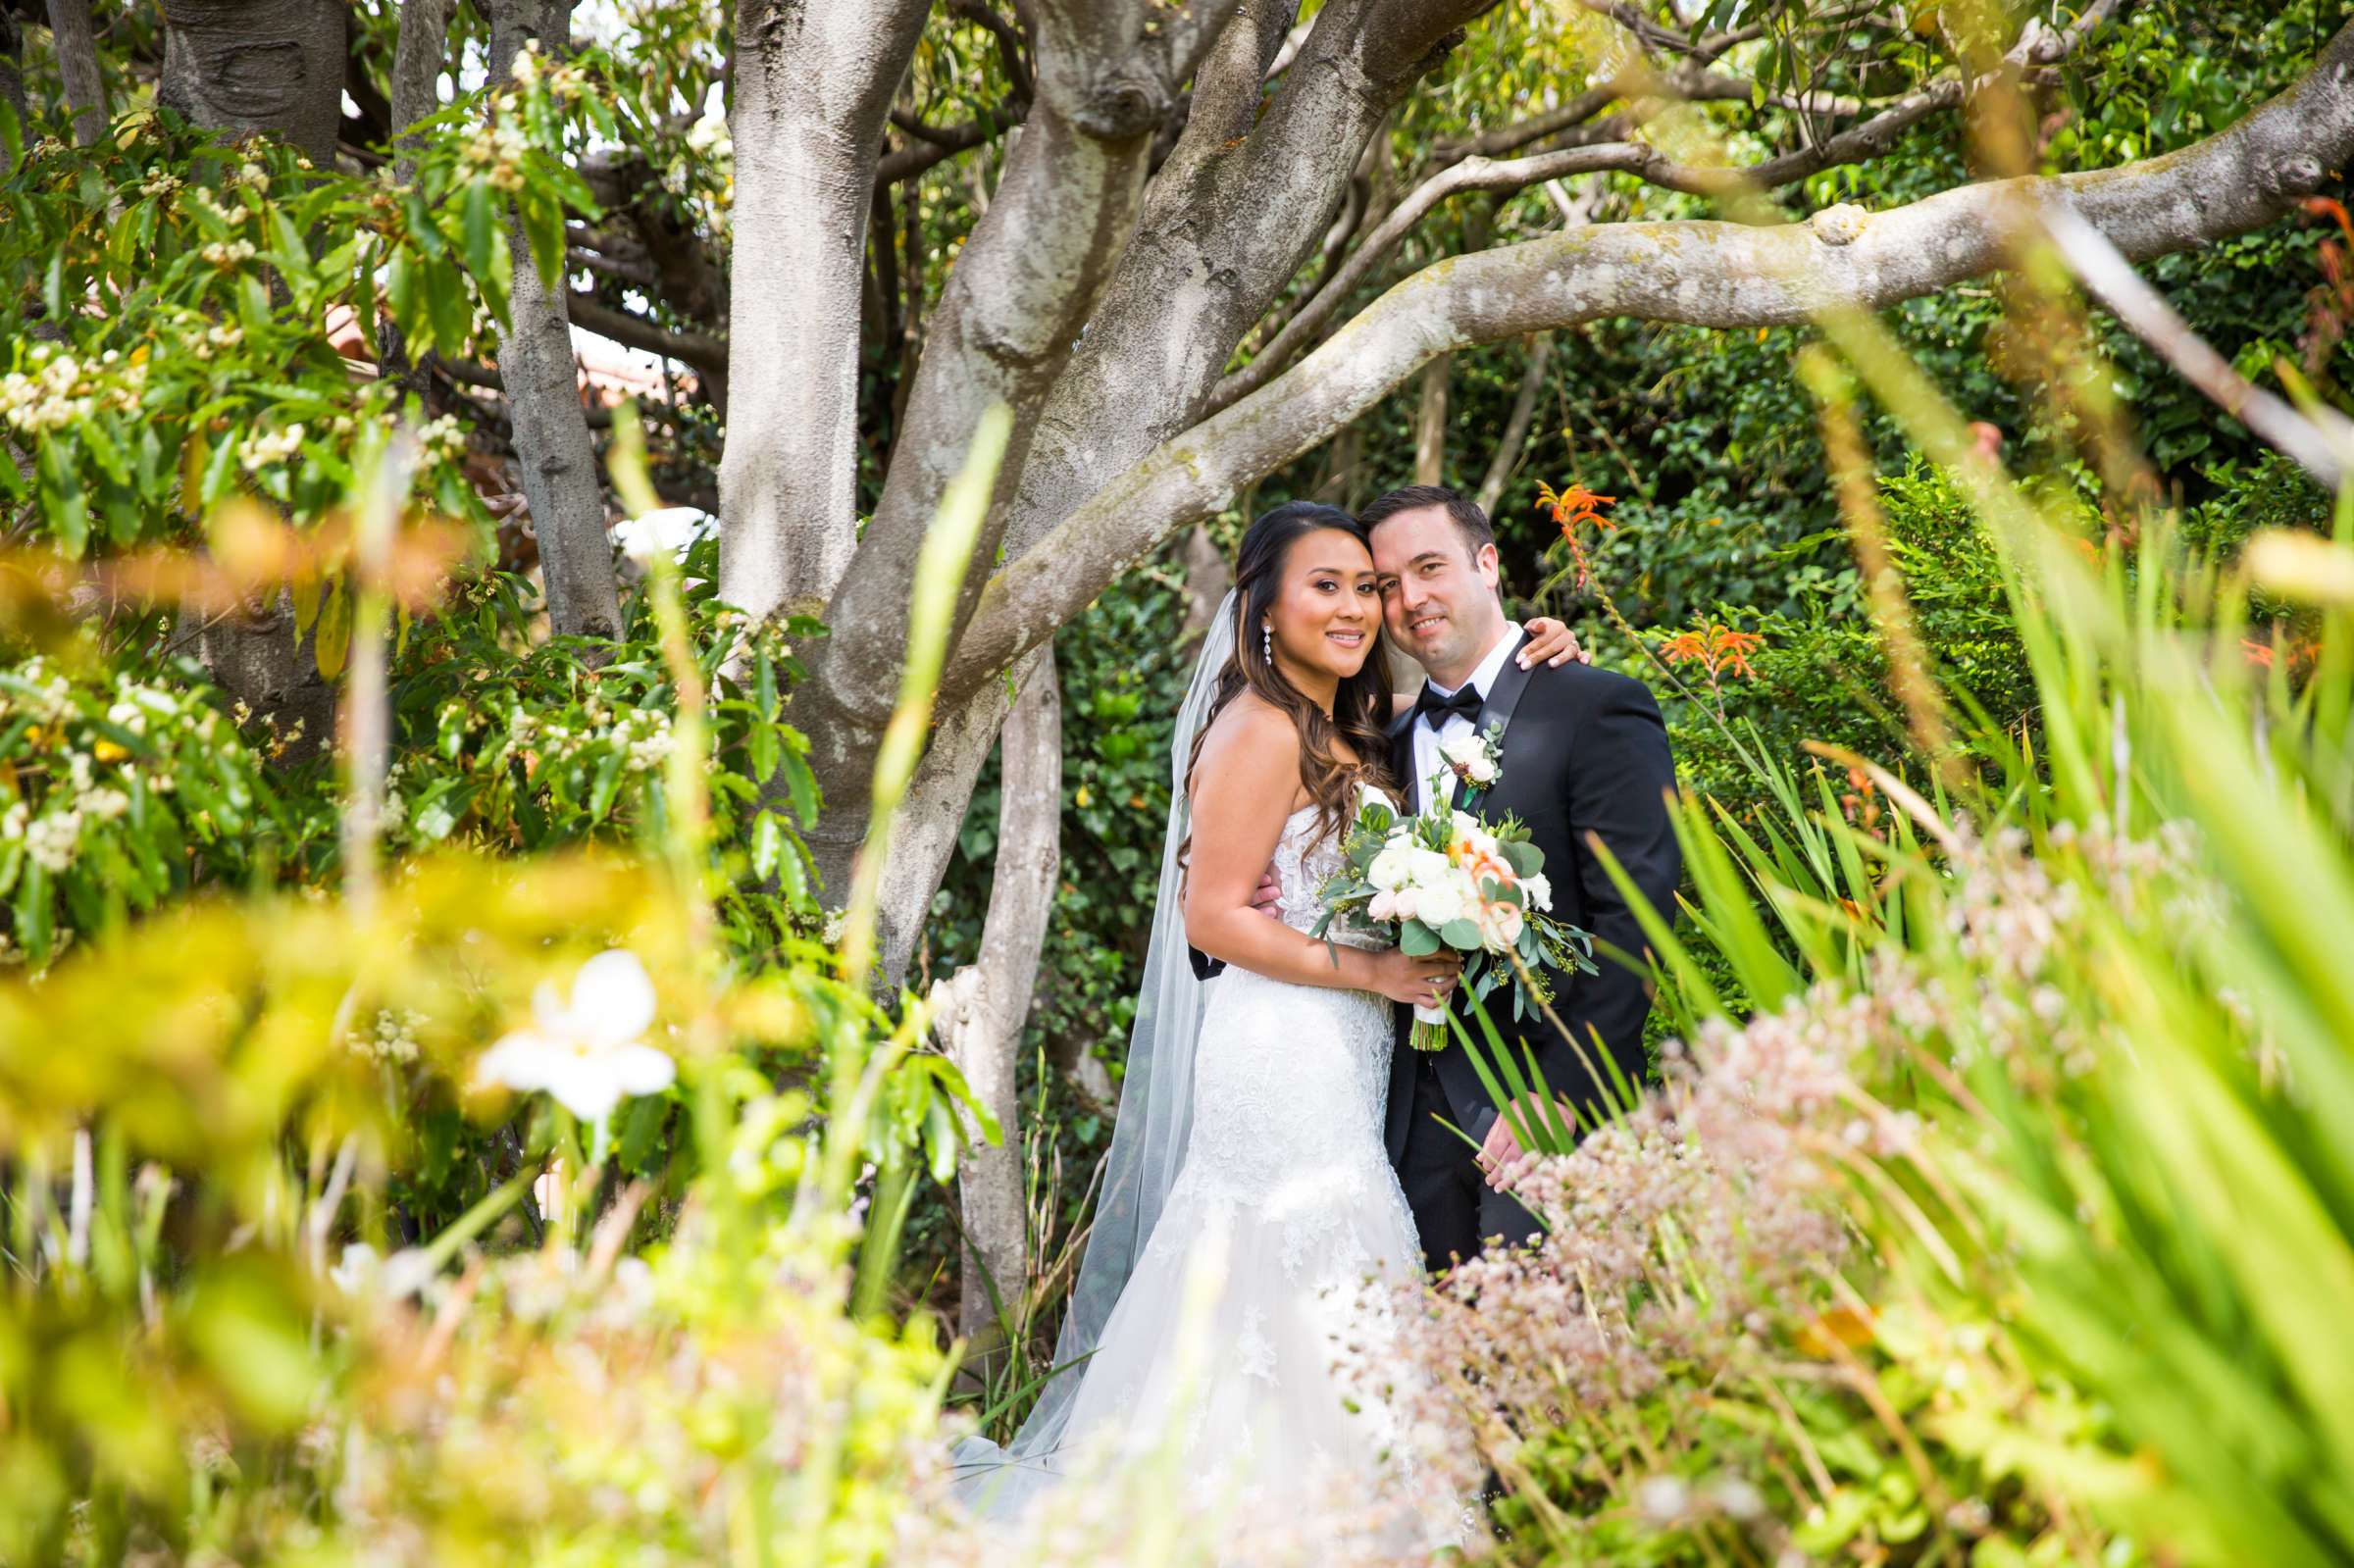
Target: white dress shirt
1426,743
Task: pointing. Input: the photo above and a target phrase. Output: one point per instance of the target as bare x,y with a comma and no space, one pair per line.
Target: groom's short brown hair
1470,521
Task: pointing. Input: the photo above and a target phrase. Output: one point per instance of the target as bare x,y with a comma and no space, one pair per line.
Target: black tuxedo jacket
1585,752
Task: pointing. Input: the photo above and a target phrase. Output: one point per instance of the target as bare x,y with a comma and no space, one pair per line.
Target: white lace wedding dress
1287,1197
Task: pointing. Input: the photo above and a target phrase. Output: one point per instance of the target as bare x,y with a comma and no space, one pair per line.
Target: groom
1584,756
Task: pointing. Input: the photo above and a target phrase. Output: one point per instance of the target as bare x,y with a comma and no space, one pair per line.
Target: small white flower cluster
564,81
160,184
391,1038
254,175
205,202
53,840
61,390
496,151
645,735
442,440
279,446
227,252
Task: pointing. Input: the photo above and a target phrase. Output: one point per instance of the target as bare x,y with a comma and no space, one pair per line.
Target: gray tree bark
813,90
257,68
270,67
76,48
982,1007
1024,285
553,451
1244,199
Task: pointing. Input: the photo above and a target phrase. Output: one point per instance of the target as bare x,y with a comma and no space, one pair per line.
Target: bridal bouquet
1445,878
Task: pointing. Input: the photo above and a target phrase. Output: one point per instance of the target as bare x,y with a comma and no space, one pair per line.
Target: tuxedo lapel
1511,682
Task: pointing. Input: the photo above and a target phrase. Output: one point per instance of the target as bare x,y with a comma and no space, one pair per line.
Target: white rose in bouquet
1536,891
1391,869
1426,868
1438,903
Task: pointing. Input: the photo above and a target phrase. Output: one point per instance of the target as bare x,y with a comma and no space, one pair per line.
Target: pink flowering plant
1445,878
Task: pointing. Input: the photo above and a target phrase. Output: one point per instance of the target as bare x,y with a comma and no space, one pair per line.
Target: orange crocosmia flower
1574,505
1733,649
2258,654
1684,646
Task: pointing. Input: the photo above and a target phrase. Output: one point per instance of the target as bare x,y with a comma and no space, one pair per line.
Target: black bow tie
1435,708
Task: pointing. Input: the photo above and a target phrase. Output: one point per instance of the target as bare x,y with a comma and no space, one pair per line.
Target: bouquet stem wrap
1429,1031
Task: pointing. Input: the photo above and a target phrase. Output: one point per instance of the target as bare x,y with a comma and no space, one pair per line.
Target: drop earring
1266,645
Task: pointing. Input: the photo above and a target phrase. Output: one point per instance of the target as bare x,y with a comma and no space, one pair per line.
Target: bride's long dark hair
1359,707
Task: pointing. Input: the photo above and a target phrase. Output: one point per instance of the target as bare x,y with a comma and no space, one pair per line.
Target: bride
1248,1146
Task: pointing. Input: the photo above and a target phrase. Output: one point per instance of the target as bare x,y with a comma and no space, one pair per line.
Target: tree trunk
418,56
1004,328
813,88
1506,457
1430,422
271,67
542,380
257,68
1223,226
982,1007
77,49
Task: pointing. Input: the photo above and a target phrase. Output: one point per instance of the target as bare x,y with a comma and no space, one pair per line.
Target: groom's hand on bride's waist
1270,895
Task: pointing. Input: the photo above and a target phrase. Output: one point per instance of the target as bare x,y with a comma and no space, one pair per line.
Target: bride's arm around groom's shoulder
1244,790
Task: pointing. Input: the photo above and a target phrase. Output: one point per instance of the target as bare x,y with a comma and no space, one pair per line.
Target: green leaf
400,290
1459,934
1417,941
482,222
333,643
768,843
62,498
452,313
218,470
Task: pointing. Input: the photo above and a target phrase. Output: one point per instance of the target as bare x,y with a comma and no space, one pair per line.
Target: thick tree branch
1870,139
1703,273
699,349
1016,300
1473,174
937,144
1227,221
812,86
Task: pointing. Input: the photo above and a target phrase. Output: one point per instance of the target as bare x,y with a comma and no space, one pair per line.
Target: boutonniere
1477,759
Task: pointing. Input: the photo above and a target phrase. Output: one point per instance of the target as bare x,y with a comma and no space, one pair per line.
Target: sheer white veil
1149,1137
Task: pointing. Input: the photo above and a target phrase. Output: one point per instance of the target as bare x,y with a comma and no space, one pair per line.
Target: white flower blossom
277,446
586,1051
